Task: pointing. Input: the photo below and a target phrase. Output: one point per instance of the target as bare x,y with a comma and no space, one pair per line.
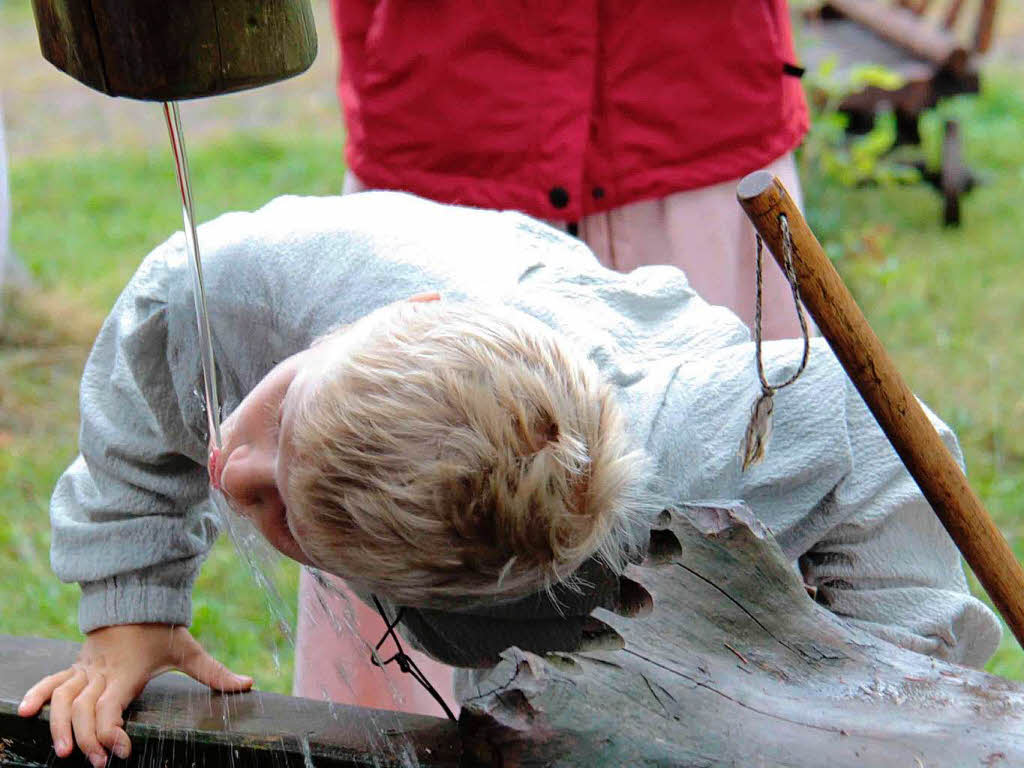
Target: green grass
947,303
81,226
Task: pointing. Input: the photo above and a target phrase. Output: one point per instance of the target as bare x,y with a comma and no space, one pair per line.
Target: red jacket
565,108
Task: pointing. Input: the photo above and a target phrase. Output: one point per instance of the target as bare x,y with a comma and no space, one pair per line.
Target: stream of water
389,747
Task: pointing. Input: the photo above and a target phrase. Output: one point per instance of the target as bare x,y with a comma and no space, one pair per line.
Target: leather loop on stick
900,415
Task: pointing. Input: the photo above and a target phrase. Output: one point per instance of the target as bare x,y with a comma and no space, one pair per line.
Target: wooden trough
176,722
710,653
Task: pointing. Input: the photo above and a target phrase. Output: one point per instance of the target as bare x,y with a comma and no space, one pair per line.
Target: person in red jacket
627,123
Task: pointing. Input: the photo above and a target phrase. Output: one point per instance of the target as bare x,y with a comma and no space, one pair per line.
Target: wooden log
898,412
178,722
904,28
167,51
737,666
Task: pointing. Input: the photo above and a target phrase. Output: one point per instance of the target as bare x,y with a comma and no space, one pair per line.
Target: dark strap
404,661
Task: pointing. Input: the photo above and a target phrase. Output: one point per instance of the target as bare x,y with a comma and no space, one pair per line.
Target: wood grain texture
737,666
898,412
68,40
177,722
168,51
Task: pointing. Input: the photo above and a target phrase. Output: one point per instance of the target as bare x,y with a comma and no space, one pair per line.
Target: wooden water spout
168,51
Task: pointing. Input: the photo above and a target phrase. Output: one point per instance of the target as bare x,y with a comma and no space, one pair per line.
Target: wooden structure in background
158,50
929,47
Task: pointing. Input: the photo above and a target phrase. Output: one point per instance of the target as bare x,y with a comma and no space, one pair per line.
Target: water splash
307,754
383,733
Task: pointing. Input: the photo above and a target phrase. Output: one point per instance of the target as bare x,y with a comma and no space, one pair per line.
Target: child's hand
112,669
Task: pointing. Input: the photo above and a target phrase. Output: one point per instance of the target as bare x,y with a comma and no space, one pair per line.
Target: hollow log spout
167,51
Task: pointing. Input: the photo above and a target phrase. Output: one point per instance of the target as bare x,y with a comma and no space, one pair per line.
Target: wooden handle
898,412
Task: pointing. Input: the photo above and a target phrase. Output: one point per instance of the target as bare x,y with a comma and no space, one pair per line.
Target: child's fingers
83,719
60,710
116,739
200,665
120,743
40,693
110,718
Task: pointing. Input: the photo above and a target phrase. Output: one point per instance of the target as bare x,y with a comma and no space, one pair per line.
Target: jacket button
558,197
597,192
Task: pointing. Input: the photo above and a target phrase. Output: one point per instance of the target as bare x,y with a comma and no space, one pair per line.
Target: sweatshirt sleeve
831,488
890,567
131,518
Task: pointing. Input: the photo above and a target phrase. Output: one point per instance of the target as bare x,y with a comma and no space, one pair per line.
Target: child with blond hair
451,450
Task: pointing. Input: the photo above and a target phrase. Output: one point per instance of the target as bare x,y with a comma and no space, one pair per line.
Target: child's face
252,467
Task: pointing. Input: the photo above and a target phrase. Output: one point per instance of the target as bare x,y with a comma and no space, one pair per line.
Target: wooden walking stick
898,412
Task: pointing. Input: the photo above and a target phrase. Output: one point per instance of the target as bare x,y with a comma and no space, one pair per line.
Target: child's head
456,453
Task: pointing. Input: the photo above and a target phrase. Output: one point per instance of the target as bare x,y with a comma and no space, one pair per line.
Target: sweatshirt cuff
129,599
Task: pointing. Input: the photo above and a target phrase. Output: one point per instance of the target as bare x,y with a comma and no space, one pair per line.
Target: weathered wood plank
176,722
737,666
264,41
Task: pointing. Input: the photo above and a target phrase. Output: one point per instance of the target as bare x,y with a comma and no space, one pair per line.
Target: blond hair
459,453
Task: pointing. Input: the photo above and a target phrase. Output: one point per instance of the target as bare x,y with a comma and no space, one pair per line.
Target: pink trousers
702,231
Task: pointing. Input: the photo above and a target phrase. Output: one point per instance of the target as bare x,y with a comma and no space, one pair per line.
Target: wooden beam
952,14
986,25
177,722
68,40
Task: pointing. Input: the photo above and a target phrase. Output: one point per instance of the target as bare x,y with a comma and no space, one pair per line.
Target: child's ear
424,297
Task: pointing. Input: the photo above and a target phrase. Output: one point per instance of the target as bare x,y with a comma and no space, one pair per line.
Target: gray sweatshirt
131,516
